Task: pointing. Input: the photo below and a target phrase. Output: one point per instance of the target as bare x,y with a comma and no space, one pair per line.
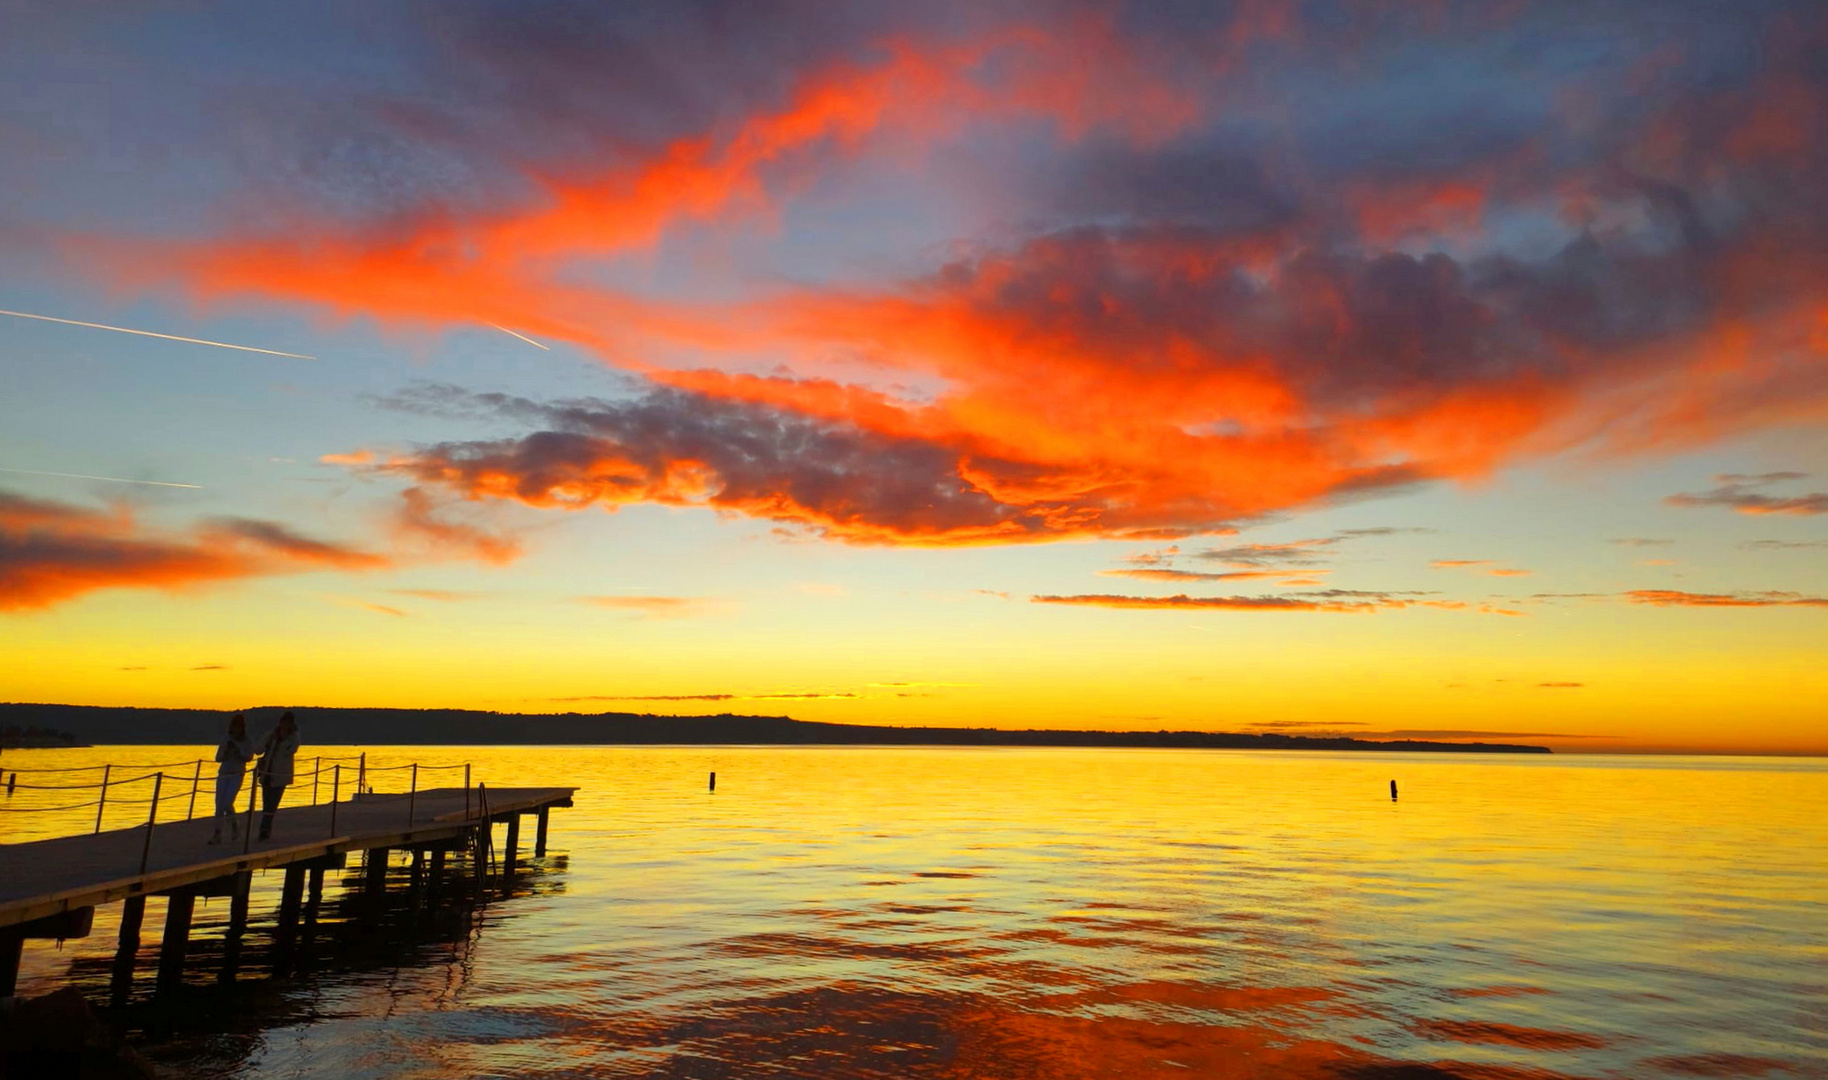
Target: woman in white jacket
275,769
233,754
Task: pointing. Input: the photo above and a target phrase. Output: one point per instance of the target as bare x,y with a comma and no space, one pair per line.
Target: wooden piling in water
178,909
12,949
126,953
374,880
240,885
285,930
539,833
513,849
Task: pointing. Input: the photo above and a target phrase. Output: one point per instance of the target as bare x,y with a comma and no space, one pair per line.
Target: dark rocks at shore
59,1035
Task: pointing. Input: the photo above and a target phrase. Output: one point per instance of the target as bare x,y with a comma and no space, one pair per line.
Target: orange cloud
52,552
1675,598
1151,377
658,607
1495,571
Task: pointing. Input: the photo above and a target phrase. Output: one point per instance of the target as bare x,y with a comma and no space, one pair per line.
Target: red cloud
51,552
1144,377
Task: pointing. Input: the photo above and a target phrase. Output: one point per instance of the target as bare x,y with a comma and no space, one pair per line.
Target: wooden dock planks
46,877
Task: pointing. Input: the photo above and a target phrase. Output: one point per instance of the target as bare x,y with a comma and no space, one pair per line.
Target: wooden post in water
375,878
539,833
237,925
178,909
285,930
713,781
316,893
12,950
437,874
133,916
513,850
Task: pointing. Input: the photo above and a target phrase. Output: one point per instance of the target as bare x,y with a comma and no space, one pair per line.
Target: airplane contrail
522,336
86,476
149,333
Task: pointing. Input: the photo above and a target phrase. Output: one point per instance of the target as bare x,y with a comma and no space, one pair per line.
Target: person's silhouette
275,769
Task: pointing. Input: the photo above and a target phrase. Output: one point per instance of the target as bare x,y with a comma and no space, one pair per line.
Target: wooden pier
49,889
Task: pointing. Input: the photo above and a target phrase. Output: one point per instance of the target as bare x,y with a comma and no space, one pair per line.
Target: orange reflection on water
886,912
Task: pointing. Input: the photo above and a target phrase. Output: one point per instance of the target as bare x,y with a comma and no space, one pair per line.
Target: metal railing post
336,785
247,836
361,776
102,803
412,797
152,816
317,770
196,778
466,791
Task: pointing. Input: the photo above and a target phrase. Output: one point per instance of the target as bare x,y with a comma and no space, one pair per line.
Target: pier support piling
239,887
512,852
12,948
133,916
539,833
178,909
285,931
374,882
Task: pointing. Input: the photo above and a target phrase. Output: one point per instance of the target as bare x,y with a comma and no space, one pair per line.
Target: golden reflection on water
1005,913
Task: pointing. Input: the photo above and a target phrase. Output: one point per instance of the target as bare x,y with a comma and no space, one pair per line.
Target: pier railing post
412,797
152,817
336,785
466,791
196,780
361,776
317,770
247,832
102,802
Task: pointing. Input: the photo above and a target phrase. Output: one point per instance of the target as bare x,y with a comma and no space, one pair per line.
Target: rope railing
326,774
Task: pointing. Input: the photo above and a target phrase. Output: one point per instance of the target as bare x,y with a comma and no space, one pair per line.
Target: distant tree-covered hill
103,725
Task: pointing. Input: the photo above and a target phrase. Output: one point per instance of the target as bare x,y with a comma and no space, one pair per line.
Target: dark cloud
1738,491
1433,733
210,667
1782,545
797,696
681,448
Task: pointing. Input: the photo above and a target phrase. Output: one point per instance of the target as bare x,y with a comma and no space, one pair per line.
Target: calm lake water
1017,913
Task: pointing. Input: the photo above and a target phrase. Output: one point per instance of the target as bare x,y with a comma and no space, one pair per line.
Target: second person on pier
233,755
275,769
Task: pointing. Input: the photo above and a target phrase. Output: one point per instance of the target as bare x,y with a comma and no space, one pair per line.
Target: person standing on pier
275,769
233,756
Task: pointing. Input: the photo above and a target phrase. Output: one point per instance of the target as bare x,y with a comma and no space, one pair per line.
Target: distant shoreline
102,725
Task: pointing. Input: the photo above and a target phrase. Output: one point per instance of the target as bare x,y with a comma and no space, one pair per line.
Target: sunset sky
1394,369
